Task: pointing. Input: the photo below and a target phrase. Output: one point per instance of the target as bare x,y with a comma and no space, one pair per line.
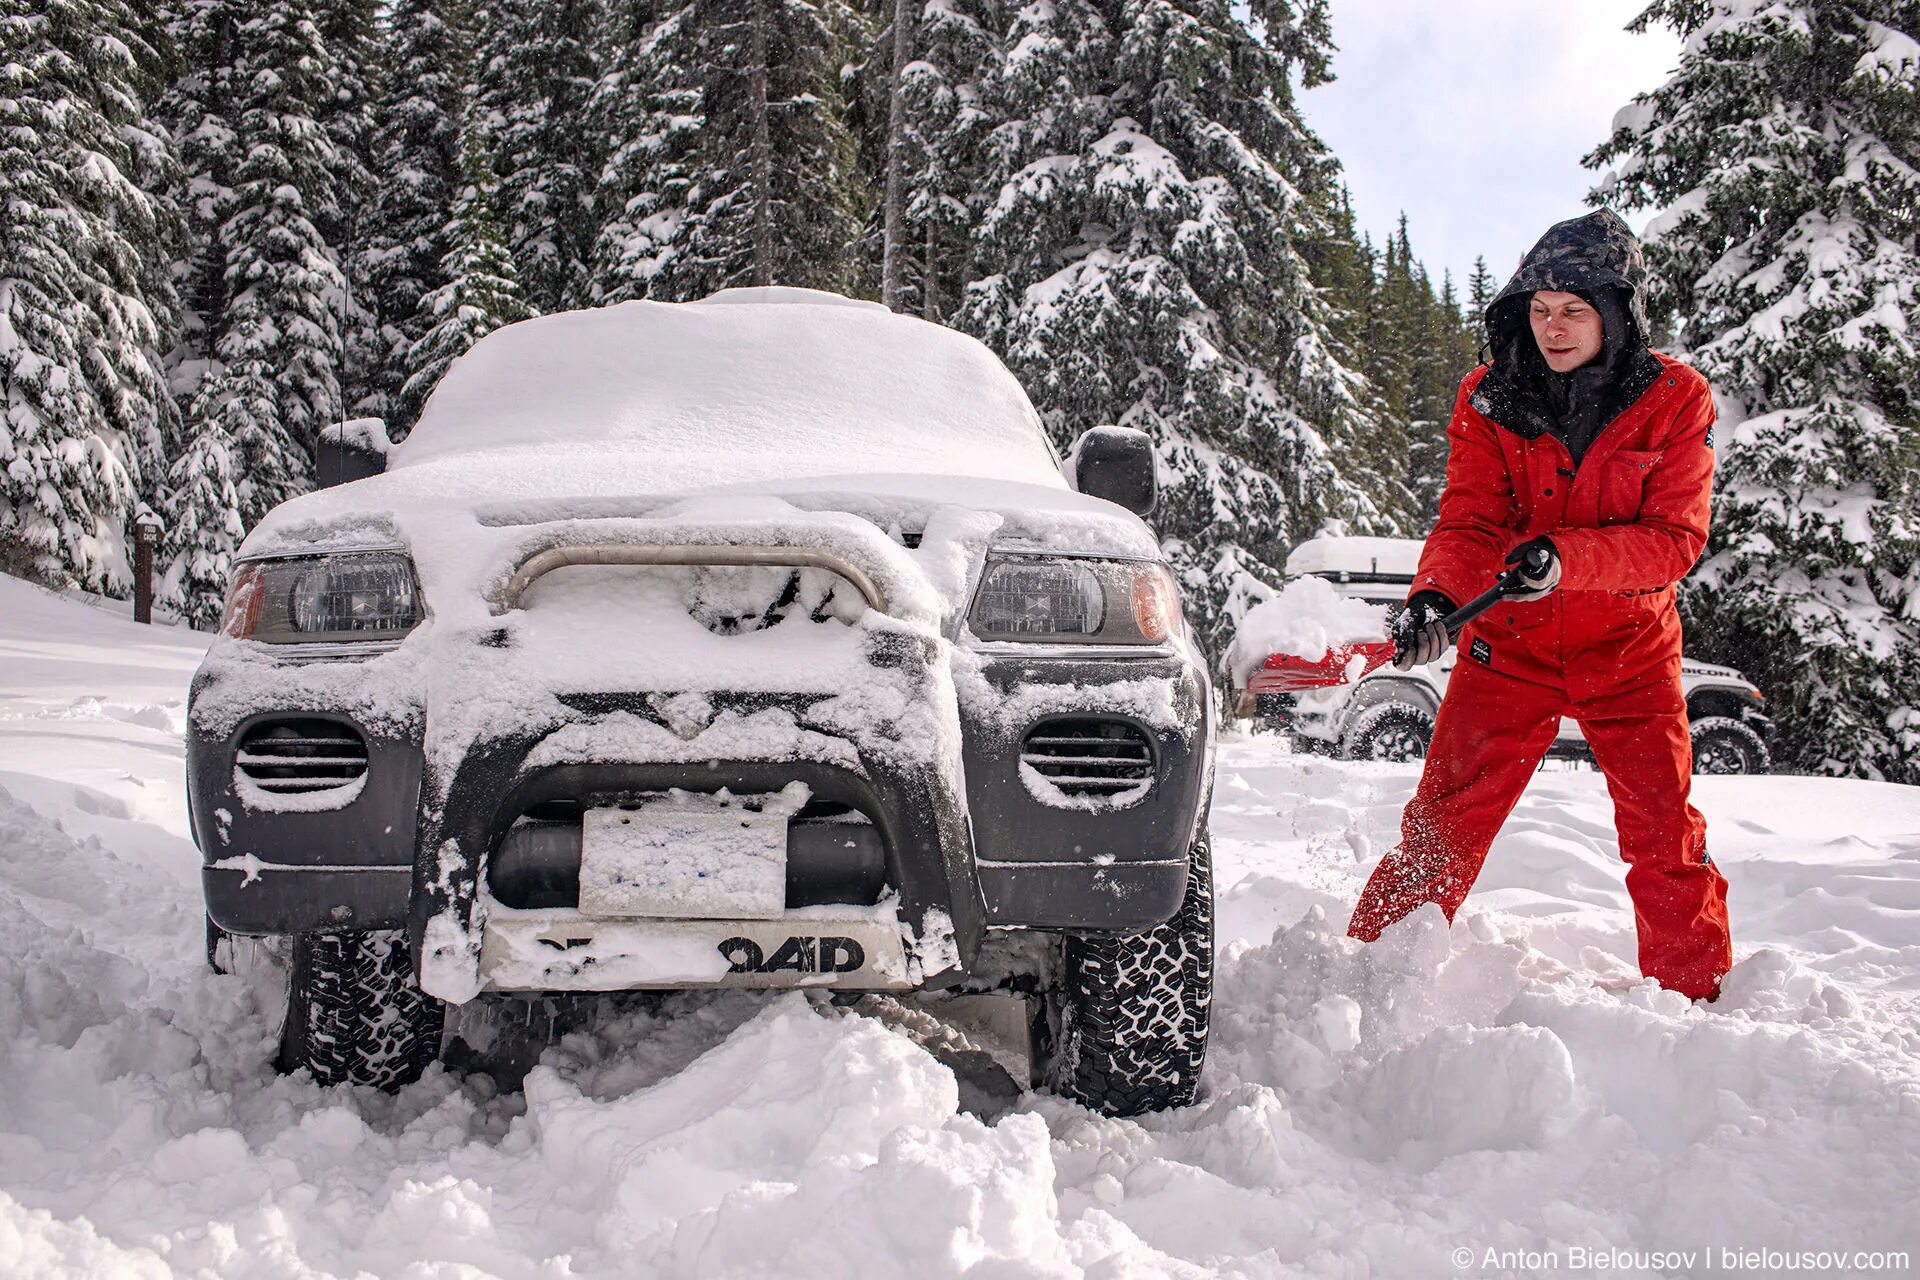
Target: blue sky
1472,115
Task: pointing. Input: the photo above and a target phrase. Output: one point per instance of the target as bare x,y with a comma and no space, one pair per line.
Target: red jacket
1628,526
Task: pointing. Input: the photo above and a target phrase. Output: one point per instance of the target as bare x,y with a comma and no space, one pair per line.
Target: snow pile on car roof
1381,557
747,385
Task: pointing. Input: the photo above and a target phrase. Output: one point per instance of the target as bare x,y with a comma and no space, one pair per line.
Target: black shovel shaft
1457,621
1510,582
1533,559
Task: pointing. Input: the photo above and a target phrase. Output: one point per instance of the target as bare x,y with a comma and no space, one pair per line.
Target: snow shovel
1291,673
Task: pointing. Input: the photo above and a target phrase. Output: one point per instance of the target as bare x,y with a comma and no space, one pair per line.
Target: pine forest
230,223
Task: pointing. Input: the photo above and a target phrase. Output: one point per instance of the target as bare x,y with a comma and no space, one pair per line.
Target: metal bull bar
918,807
541,563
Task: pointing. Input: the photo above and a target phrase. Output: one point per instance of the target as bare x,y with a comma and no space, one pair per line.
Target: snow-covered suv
1388,714
753,642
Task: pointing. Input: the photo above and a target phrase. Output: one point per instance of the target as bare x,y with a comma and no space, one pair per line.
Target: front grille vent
1090,759
301,757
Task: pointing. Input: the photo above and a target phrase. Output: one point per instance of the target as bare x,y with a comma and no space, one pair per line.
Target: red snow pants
1488,739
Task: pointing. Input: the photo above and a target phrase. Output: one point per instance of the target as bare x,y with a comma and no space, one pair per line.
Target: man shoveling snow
1584,460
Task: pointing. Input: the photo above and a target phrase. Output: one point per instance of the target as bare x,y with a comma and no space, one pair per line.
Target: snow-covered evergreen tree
770,194
481,292
151,415
82,306
925,132
537,63
199,108
417,155
284,283
1142,263
350,35
1786,151
650,109
1481,289
200,505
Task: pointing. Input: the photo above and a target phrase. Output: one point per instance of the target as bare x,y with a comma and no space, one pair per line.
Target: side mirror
1116,463
349,451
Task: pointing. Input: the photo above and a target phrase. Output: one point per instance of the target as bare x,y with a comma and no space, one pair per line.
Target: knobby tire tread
1133,1011
355,1015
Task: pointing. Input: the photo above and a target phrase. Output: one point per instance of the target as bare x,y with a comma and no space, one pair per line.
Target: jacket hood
1581,255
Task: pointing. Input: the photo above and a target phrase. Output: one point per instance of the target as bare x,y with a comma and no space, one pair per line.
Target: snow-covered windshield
749,385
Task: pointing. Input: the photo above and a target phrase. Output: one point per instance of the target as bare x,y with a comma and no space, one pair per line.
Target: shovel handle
1508,583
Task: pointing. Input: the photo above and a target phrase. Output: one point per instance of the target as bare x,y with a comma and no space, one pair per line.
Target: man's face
1567,328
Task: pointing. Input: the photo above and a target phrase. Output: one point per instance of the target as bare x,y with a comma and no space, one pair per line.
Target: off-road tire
1722,744
1389,731
1124,1029
355,1015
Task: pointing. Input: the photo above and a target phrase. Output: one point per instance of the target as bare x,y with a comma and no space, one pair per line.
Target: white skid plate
689,856
565,951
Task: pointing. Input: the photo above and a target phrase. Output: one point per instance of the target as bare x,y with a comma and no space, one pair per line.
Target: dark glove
1536,570
1419,631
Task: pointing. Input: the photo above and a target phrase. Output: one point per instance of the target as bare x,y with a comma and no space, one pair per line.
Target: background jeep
1388,714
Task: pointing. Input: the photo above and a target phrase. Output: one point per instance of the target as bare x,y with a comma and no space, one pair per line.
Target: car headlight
1074,600
353,597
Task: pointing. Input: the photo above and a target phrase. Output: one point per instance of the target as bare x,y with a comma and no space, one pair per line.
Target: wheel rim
1720,756
1398,742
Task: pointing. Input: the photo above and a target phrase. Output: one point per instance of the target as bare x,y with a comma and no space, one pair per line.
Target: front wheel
1124,1031
355,1015
1722,744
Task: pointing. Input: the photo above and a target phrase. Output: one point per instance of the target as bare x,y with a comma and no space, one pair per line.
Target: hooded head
1598,258
1590,256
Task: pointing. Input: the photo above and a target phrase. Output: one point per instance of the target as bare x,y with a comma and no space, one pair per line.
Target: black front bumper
284,870
1005,857
929,856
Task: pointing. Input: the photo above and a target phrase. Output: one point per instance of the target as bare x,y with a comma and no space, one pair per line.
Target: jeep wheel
1391,731
1125,1030
355,1014
1722,744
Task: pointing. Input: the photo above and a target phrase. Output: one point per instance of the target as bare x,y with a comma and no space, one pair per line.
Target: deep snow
1509,1085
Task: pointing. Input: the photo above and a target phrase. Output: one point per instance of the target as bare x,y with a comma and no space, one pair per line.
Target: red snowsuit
1604,649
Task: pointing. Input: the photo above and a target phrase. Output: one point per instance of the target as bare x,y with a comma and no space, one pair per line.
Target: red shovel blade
1291,673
